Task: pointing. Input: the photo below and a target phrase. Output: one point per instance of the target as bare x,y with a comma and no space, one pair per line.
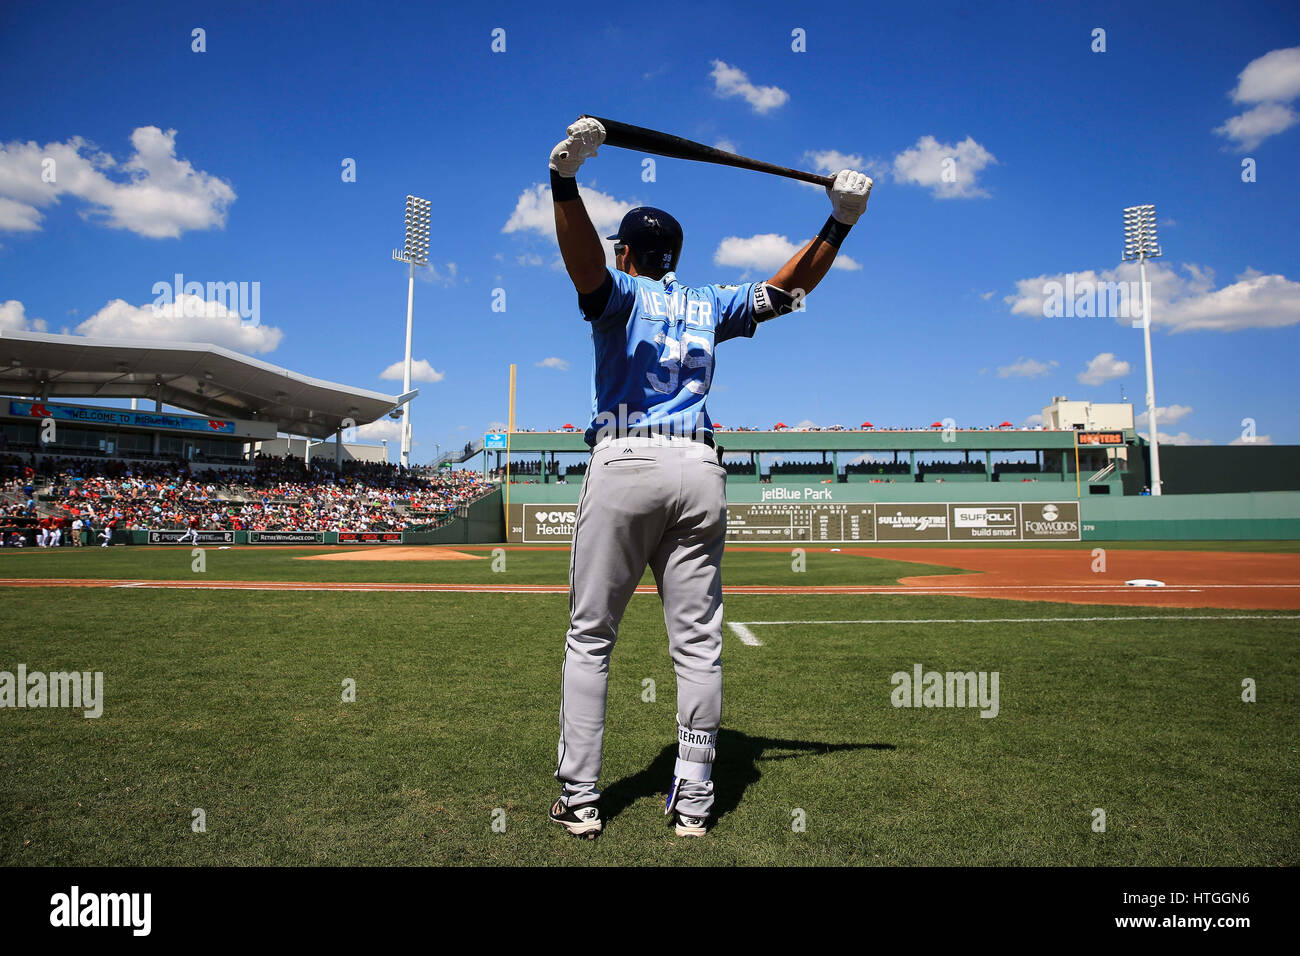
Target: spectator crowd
277,494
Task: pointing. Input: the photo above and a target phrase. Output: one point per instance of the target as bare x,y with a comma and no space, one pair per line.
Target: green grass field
231,702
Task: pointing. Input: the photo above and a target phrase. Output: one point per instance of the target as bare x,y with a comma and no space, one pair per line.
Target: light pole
1142,243
415,252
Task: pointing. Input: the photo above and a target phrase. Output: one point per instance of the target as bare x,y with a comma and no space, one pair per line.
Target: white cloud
832,160
18,217
1165,415
1257,440
1032,420
1270,81
1027,368
766,253
1273,76
558,364
1104,368
421,371
533,213
13,318
529,259
1184,300
927,164
725,144
732,81
153,193
1247,130
189,318
988,295
431,273
380,429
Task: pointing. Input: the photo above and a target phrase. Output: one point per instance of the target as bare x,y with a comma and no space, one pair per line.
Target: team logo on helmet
654,235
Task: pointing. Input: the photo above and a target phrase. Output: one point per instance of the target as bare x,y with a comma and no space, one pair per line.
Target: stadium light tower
415,252
1142,243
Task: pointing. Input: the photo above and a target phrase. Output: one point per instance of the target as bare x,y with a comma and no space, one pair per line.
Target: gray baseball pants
665,506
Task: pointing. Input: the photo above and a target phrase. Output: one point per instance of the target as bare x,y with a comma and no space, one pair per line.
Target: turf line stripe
744,633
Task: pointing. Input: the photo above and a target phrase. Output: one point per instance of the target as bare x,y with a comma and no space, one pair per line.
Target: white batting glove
585,136
849,195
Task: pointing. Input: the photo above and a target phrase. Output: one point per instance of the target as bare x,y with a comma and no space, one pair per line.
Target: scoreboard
801,522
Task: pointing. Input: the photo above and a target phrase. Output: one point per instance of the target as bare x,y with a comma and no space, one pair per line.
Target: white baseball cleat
690,826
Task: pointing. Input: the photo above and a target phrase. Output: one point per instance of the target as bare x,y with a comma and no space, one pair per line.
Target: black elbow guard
771,301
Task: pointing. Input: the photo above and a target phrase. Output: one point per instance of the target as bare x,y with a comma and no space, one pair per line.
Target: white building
1065,415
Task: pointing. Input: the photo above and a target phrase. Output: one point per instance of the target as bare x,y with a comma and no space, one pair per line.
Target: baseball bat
664,144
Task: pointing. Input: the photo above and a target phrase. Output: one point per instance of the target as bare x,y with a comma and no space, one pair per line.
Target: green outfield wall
1273,515
1257,516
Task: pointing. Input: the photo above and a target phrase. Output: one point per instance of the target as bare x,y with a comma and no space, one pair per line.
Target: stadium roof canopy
199,377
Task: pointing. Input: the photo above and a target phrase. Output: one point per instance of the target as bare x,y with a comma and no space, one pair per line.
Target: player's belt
654,441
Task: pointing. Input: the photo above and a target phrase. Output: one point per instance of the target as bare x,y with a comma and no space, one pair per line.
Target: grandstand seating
276,495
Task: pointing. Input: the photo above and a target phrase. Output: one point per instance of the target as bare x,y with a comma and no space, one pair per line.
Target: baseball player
193,531
106,536
655,489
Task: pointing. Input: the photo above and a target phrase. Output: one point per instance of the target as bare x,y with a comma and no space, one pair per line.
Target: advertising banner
1050,521
370,537
912,522
120,417
984,522
205,537
286,537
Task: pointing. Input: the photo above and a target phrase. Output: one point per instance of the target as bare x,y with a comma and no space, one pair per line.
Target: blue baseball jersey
654,345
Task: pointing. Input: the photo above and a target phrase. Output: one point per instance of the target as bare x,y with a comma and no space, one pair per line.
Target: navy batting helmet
653,235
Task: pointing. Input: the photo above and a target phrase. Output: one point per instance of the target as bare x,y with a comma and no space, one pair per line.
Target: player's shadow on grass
734,770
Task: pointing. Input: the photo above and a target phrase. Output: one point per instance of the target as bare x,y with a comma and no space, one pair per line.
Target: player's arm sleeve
736,316
611,301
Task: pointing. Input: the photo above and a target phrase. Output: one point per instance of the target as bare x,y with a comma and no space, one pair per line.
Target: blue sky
225,165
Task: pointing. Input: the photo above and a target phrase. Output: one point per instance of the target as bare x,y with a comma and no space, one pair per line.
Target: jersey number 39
688,362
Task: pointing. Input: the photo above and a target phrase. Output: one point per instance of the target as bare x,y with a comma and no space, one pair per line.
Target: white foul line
1022,620
745,634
